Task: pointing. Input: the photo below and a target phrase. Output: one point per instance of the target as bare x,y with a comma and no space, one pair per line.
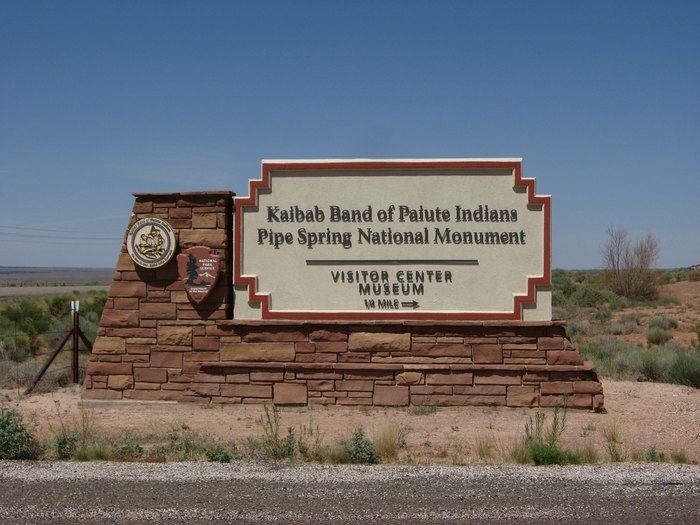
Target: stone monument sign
342,282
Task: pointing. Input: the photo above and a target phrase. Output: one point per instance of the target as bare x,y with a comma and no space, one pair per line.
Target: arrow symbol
410,304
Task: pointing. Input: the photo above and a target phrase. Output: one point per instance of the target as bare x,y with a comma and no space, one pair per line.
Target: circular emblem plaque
151,242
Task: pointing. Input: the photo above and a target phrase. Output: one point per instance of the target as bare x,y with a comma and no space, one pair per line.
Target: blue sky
102,99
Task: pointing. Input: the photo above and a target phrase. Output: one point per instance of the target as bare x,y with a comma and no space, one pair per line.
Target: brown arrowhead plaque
198,268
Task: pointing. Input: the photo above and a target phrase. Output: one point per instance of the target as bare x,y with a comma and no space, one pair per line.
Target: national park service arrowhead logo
198,267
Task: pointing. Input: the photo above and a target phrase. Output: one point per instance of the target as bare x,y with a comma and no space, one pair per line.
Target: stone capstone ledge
223,366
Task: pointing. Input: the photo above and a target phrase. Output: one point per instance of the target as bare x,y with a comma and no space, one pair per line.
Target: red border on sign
518,301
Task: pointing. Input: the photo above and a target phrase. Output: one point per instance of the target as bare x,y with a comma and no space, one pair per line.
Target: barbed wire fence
20,355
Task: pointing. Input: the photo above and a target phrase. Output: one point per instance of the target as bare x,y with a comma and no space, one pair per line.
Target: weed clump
389,439
358,449
419,410
218,454
541,446
612,437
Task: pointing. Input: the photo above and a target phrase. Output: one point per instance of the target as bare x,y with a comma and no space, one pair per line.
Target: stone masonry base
515,364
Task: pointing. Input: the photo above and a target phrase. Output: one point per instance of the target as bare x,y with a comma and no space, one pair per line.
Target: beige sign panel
396,239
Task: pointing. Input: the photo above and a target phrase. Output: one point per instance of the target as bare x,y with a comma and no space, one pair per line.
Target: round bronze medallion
151,242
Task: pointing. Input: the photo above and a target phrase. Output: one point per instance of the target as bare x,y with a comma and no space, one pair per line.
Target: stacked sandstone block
131,351
491,364
155,344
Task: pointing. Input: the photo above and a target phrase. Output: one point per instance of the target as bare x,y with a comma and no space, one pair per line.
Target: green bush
651,455
664,322
596,297
658,336
613,357
127,451
685,369
66,444
25,318
58,305
16,440
358,449
219,454
655,363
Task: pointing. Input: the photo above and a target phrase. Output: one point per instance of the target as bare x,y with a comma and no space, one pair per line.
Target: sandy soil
643,414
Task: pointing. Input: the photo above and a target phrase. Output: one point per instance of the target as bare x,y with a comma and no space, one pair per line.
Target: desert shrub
94,451
627,323
696,329
127,451
613,357
631,318
310,443
357,449
273,445
617,329
484,447
65,444
658,336
664,322
16,439
388,439
219,454
184,447
15,347
427,410
578,327
592,296
680,456
58,305
563,284
650,455
540,445
95,303
685,369
655,363
560,313
668,363
628,265
15,374
27,318
611,433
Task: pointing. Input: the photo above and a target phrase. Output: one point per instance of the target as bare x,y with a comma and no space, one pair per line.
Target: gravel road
66,492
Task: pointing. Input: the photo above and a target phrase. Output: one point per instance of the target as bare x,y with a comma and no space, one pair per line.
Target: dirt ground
644,415
686,312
